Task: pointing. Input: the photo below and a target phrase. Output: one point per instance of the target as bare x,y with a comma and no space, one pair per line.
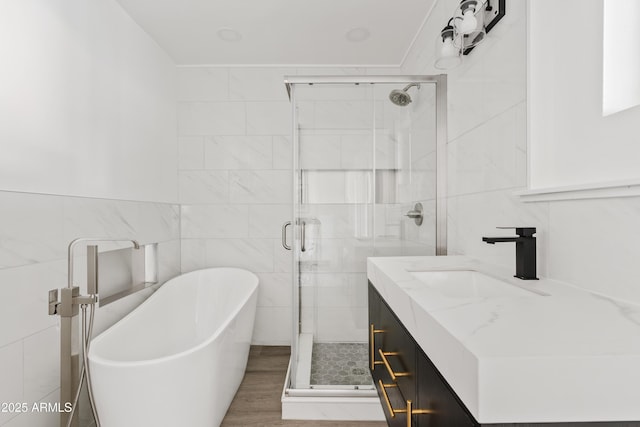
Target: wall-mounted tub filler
66,303
525,250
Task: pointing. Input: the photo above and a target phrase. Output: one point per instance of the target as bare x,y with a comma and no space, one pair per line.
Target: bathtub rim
93,358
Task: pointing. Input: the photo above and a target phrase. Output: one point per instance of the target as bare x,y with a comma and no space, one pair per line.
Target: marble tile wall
486,150
235,188
416,134
33,250
235,181
587,243
594,244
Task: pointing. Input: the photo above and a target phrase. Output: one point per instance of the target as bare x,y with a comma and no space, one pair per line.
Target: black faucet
525,251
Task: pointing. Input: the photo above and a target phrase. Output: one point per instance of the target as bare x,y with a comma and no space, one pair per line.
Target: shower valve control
417,214
64,302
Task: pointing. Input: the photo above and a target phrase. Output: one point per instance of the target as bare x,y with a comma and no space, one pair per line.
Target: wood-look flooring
257,402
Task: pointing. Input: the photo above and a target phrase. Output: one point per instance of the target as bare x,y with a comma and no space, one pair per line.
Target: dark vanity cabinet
405,378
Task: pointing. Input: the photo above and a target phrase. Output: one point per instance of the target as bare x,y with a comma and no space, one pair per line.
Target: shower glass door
361,163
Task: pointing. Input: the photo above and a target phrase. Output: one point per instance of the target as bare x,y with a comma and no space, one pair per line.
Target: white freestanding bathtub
177,359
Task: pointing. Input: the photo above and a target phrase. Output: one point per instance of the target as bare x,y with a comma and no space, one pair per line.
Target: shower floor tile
340,364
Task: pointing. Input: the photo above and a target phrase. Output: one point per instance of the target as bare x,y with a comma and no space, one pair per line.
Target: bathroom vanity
458,343
405,378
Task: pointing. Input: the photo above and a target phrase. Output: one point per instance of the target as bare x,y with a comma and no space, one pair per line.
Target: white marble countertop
559,354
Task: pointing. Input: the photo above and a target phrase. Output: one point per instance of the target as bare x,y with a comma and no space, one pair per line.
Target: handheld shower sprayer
67,308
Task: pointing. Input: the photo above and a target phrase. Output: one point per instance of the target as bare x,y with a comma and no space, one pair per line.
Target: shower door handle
284,235
303,238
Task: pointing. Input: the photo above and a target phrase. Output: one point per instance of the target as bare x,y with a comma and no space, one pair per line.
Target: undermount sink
469,284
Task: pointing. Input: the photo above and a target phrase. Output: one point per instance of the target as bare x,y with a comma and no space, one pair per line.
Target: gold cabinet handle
394,375
408,410
372,352
383,388
411,411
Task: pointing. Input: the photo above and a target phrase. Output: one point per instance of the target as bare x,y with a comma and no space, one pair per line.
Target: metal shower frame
440,82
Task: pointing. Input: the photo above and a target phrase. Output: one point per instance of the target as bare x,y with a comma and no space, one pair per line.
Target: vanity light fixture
470,23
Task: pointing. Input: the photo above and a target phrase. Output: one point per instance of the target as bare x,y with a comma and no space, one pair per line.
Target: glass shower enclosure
369,180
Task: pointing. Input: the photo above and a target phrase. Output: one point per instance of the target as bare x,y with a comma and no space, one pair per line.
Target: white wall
588,243
87,103
571,142
87,108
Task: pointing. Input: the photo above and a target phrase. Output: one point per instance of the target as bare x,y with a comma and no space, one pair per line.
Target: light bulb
448,49
449,53
469,22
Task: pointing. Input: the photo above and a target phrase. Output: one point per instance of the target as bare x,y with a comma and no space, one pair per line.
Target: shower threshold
335,384
336,404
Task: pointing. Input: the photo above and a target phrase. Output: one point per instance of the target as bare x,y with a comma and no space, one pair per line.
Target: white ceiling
291,32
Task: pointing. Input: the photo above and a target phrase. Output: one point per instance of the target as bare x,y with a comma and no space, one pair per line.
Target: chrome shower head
400,97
